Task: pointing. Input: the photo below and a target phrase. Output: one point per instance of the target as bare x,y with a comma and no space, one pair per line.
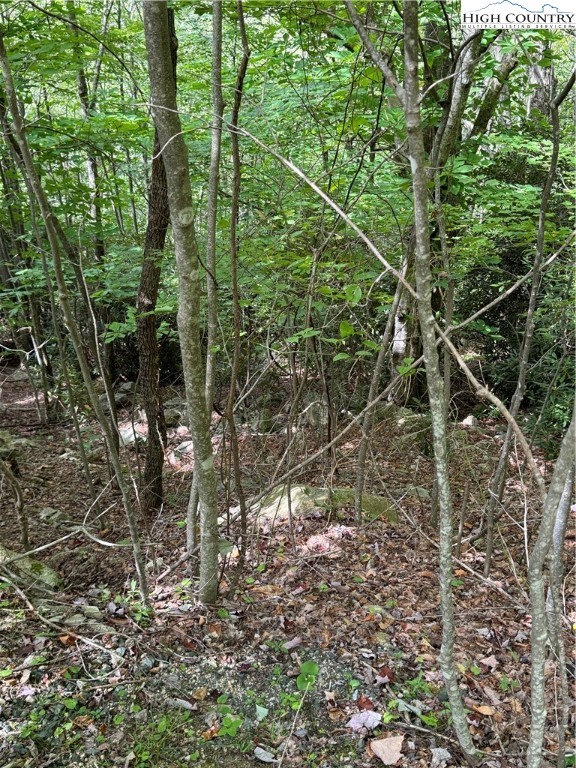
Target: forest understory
322,650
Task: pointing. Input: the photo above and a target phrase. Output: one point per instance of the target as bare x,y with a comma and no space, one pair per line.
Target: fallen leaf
385,675
330,696
440,757
490,661
366,719
82,721
365,703
212,732
388,749
294,643
67,639
484,709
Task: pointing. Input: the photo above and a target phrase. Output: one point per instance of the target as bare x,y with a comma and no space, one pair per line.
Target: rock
129,436
264,756
17,376
51,516
469,421
30,571
92,612
184,448
172,417
304,499
315,413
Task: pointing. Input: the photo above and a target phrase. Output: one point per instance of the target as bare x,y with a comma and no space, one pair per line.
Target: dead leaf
330,696
365,703
490,661
388,749
82,721
385,675
212,732
67,639
484,709
294,643
200,693
366,719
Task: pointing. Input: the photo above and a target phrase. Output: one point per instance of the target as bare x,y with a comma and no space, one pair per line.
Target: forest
287,367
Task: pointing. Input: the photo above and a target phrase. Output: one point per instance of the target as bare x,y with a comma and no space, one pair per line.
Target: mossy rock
31,572
304,499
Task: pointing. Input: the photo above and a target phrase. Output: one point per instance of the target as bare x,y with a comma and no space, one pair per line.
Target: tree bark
433,374
175,155
151,489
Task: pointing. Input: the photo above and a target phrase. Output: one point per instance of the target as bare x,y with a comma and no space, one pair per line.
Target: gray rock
29,570
51,516
129,436
172,417
184,448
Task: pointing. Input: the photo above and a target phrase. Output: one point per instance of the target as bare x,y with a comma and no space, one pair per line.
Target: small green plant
417,686
223,613
353,683
230,722
307,677
290,701
507,684
138,611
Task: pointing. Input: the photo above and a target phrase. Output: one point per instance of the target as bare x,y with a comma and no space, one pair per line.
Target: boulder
304,499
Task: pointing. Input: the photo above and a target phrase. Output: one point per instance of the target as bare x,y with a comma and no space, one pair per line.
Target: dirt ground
322,651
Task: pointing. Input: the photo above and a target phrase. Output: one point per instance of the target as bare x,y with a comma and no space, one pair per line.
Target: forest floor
322,652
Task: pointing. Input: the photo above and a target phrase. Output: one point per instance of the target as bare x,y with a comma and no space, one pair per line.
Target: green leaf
70,703
353,294
309,668
162,726
346,329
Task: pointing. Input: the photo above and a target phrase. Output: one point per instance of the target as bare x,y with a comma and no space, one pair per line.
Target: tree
175,156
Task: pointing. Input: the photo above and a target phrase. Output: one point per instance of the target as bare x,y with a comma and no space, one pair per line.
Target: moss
372,506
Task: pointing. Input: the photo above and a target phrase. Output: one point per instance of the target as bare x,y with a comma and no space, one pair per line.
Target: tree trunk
175,155
433,373
151,489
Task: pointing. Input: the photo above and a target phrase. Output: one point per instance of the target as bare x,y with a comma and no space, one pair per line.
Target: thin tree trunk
368,420
211,222
175,155
433,373
212,203
539,630
151,490
236,309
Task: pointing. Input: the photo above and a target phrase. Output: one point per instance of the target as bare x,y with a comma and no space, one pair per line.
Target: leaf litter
360,601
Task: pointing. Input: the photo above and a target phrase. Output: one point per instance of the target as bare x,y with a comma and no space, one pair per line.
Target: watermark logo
528,14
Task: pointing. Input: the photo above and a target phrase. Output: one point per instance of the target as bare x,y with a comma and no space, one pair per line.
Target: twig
287,742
